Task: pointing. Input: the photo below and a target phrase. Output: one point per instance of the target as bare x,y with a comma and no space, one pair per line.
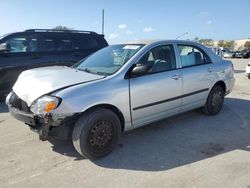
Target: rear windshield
88,42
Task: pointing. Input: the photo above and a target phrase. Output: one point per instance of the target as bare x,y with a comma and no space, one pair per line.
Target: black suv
246,53
43,47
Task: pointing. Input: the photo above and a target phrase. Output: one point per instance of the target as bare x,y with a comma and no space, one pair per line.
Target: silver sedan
119,88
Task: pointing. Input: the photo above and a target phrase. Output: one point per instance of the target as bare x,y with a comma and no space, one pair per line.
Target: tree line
221,43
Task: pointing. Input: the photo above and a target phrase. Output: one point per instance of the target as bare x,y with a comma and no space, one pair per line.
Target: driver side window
19,44
159,59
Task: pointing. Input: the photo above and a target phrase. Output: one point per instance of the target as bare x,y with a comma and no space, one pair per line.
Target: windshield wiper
94,72
87,70
103,73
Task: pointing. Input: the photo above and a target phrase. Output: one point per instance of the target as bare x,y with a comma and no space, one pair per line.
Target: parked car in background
43,47
246,53
227,53
248,70
238,54
216,50
119,88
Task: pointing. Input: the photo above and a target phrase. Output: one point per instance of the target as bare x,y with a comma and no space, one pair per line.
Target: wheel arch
113,109
222,84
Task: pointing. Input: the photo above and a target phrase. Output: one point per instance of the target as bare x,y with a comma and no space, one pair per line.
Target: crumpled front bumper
36,124
27,118
47,125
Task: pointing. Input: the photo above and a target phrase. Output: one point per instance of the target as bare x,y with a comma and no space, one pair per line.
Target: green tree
226,44
206,42
230,44
221,43
196,39
247,44
61,27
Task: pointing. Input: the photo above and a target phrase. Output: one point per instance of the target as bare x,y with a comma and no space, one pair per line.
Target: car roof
60,31
53,31
150,42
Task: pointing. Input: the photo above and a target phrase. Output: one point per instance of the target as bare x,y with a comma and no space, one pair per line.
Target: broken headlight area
45,105
40,117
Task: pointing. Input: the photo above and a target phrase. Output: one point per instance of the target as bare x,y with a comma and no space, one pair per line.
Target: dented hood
34,83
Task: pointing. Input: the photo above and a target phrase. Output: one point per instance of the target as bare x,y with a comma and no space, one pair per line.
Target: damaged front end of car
40,117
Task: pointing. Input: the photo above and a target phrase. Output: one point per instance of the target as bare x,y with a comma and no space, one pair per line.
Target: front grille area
18,103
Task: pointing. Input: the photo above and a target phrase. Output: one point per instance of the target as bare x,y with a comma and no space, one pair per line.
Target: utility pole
103,21
181,35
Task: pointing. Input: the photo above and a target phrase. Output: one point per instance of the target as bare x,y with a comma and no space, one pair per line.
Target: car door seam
170,99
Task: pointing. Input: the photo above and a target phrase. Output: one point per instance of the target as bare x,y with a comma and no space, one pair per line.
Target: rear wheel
96,133
214,101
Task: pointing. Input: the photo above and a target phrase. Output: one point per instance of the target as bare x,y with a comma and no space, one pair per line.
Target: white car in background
248,70
227,53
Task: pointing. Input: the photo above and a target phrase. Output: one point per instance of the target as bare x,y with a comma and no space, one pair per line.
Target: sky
131,20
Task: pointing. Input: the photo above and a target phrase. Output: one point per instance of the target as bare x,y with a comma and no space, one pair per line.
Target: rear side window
192,56
88,42
56,42
22,43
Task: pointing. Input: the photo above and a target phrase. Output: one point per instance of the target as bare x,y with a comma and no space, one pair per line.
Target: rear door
157,94
56,49
198,76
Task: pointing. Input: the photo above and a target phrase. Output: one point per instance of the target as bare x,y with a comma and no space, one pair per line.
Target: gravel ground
188,150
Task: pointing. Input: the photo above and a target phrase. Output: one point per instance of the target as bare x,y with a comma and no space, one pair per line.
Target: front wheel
96,133
214,101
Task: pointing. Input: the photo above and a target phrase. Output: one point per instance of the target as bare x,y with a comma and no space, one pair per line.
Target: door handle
176,76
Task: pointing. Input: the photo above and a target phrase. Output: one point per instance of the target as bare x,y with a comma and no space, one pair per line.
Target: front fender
78,99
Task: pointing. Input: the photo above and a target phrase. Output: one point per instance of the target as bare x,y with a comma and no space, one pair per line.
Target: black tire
248,76
96,133
214,101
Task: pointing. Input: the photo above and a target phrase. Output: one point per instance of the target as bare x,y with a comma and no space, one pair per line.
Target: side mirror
139,70
4,48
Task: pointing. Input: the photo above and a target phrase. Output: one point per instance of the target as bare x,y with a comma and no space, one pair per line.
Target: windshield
108,60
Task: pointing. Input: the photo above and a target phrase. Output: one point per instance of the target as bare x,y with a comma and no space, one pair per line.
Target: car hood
34,83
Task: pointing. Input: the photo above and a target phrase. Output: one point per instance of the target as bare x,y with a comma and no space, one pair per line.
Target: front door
156,94
21,55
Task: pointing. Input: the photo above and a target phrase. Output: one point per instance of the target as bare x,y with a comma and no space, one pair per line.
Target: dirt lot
189,150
